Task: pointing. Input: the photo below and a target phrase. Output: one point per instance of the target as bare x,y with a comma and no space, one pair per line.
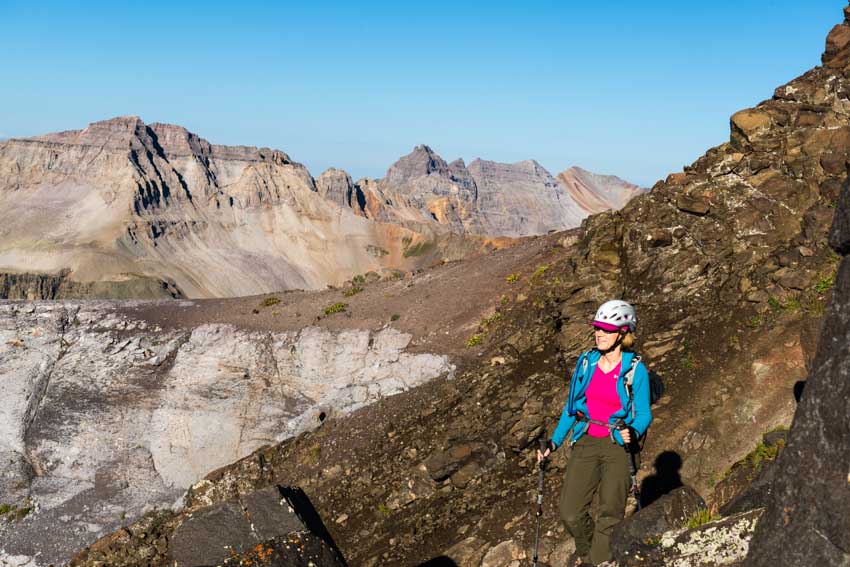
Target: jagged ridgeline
123,209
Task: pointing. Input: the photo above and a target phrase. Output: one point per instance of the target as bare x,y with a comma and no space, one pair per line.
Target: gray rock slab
270,514
670,512
839,234
808,519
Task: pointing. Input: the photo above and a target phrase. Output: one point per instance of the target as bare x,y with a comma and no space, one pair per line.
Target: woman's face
604,339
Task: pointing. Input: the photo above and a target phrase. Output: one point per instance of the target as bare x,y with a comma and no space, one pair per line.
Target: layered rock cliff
485,198
124,205
125,209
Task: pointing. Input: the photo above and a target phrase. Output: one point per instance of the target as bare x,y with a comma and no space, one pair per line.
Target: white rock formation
104,416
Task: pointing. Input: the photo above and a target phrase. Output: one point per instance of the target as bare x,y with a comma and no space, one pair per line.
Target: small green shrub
337,307
376,251
512,278
352,291
474,340
358,280
763,453
395,317
270,301
487,321
13,512
815,307
774,304
384,510
700,517
754,321
539,271
310,456
688,363
825,284
419,249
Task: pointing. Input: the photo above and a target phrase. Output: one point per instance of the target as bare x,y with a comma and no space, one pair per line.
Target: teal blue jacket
635,412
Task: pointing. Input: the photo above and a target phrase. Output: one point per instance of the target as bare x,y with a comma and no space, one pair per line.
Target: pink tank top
602,399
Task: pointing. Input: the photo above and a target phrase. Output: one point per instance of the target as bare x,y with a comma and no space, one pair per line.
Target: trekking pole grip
544,445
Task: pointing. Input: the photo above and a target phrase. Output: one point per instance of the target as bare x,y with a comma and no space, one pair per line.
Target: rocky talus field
737,266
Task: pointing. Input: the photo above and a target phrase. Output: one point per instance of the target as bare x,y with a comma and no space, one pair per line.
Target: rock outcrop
486,197
106,416
276,526
807,521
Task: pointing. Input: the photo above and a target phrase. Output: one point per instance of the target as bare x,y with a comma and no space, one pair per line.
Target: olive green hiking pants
595,464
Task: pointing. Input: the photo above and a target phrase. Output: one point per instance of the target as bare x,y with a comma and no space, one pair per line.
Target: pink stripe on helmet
606,326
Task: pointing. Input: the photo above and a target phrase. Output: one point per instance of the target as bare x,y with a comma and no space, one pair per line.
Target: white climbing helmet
615,314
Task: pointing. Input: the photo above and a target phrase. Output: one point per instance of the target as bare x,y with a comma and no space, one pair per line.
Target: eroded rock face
487,197
127,206
127,209
336,186
105,416
808,519
596,193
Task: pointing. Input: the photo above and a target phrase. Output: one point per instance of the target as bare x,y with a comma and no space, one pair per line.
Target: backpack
656,383
656,390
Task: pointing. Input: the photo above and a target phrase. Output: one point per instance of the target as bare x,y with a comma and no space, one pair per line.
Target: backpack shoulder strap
630,373
630,380
582,365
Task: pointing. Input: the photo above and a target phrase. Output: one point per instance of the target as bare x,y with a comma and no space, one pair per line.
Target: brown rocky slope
729,266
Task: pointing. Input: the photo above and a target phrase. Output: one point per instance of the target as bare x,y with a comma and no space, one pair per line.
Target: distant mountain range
125,209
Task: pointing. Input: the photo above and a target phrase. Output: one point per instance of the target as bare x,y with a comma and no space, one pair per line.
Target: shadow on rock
665,479
305,510
441,561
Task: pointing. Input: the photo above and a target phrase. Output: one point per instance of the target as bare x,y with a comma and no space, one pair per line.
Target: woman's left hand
626,434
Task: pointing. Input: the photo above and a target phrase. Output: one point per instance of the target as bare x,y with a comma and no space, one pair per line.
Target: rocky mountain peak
115,133
495,174
335,185
420,162
178,141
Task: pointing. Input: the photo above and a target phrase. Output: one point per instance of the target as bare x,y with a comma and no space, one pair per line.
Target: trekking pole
542,466
635,487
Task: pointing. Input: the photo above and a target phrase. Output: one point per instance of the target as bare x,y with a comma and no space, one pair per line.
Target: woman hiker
599,393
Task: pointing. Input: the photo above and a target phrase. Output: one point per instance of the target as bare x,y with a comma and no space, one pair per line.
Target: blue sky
636,89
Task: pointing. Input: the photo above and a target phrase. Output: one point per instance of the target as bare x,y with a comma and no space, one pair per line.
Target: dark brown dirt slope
728,266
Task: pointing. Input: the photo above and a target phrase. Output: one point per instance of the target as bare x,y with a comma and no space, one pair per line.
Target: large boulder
277,525
670,512
808,519
720,542
749,483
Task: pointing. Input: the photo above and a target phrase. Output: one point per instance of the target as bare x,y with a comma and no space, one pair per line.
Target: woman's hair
628,341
